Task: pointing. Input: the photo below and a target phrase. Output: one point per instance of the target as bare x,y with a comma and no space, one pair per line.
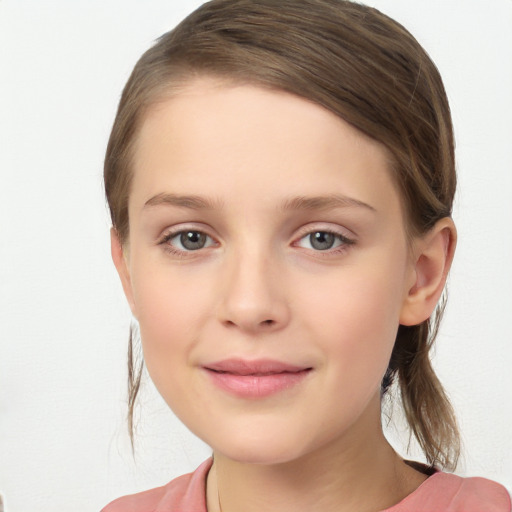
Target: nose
253,295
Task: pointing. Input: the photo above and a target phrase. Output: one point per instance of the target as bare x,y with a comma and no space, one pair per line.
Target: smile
255,379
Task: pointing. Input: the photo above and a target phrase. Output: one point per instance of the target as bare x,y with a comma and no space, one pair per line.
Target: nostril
267,322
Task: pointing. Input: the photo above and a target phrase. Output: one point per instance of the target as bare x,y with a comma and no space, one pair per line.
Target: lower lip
257,386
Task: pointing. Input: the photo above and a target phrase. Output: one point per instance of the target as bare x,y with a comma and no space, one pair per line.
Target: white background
64,323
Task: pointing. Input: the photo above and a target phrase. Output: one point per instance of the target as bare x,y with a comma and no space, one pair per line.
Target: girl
280,177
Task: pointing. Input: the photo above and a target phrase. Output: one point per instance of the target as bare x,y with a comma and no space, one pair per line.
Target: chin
260,457
260,449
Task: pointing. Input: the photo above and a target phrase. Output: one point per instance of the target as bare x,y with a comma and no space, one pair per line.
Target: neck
347,475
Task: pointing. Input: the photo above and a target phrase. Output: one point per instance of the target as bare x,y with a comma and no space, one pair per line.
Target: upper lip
254,367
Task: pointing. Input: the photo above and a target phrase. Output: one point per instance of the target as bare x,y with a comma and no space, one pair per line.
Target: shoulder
451,493
478,494
183,494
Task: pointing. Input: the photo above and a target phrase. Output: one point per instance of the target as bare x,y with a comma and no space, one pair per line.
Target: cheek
356,324
172,308
166,310
167,300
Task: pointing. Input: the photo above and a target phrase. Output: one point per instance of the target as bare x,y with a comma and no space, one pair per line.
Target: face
268,268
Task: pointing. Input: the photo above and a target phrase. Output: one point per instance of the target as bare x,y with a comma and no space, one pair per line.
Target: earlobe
433,257
119,257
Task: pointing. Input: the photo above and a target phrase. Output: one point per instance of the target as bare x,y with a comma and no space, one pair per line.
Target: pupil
193,240
321,240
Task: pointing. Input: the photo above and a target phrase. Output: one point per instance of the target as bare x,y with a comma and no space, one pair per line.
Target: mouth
255,379
257,367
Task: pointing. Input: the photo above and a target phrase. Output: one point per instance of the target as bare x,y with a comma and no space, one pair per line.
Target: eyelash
343,246
345,242
164,241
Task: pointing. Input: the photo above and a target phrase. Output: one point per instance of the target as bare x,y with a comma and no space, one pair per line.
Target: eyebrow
324,203
194,202
191,202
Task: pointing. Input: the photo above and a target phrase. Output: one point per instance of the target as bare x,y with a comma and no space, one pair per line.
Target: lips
258,367
255,379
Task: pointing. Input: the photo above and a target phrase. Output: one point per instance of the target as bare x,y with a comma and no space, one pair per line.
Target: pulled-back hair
365,68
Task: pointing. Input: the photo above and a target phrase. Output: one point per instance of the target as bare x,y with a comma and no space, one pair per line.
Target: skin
258,288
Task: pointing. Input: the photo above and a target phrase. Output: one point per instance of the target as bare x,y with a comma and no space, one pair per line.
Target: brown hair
368,70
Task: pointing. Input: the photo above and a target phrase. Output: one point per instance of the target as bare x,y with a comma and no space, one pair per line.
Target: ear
433,255
120,259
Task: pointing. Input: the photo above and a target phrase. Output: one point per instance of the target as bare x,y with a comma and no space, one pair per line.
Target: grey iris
321,240
192,240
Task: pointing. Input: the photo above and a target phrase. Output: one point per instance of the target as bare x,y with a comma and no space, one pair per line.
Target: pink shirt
441,492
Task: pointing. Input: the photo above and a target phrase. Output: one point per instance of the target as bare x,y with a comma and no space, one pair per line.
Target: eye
323,240
188,240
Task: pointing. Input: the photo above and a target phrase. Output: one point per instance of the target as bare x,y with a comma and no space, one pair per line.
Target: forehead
213,136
